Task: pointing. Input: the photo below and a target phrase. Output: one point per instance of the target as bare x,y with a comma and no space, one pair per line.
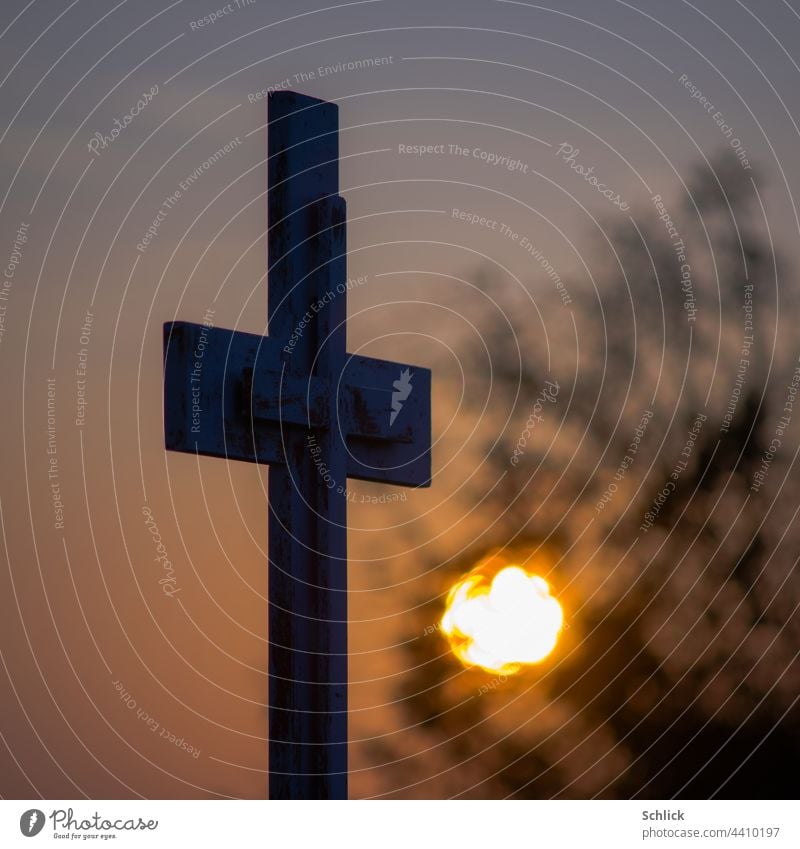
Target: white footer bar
406,824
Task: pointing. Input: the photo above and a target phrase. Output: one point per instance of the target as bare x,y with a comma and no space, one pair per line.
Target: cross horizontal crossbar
230,394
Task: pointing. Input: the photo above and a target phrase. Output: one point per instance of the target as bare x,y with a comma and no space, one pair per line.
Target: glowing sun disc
503,622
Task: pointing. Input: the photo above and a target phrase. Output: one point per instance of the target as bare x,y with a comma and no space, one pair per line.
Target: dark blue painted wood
236,402
297,401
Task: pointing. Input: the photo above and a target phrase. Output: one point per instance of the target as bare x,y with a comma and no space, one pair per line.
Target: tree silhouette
677,672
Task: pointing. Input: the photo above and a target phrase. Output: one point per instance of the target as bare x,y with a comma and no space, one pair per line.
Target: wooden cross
296,400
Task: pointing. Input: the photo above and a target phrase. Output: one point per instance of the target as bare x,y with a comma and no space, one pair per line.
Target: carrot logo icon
31,822
403,389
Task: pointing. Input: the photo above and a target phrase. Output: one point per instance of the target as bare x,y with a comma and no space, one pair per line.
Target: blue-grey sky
514,104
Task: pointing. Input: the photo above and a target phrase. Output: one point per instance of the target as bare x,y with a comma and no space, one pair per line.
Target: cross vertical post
307,522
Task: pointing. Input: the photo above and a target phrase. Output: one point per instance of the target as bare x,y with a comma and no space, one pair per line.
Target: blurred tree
677,673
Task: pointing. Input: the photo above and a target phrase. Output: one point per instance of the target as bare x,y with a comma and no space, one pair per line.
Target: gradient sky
84,620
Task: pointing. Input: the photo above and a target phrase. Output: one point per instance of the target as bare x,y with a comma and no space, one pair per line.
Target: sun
501,621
